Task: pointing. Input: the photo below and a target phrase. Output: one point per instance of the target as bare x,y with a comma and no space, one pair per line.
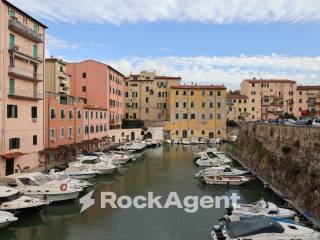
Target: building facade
57,79
269,98
197,112
147,96
237,108
22,42
308,101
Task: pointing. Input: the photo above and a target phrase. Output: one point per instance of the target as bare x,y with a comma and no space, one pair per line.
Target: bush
286,149
232,123
136,123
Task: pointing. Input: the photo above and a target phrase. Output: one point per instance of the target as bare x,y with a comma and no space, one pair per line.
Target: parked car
316,122
305,121
289,122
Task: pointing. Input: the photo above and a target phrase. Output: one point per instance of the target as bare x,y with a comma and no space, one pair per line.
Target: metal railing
26,52
25,73
23,29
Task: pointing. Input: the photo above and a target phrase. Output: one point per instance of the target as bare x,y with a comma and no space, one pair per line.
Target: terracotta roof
238,96
213,87
23,13
167,77
156,77
12,155
269,81
308,87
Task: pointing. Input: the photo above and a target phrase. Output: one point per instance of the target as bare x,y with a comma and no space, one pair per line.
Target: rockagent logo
189,204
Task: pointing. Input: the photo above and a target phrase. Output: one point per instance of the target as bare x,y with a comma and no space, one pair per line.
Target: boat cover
252,226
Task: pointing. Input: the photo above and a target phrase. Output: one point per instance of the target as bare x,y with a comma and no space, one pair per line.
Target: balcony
24,74
62,75
24,94
63,81
18,27
25,54
63,89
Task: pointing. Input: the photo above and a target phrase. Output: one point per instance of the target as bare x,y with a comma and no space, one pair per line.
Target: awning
12,155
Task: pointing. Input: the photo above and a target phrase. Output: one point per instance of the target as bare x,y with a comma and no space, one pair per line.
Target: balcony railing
63,81
25,53
25,74
62,75
24,30
24,94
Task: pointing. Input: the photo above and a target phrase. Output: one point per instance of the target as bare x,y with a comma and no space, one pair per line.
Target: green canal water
162,170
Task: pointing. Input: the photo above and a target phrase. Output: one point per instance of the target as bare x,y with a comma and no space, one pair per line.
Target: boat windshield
42,179
10,198
93,161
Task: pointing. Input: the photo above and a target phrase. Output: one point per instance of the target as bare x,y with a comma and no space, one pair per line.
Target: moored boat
6,219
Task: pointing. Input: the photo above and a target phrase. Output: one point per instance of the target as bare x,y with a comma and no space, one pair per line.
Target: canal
162,170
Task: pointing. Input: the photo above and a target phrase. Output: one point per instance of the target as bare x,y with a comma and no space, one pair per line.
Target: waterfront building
308,101
237,108
147,96
197,111
269,98
22,45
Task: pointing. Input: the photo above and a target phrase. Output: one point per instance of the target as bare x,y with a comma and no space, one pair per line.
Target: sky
203,41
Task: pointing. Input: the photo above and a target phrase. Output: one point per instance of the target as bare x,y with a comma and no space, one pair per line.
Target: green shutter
11,86
35,51
11,13
12,41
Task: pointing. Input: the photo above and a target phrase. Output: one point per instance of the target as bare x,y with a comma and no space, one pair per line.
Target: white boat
227,171
168,141
261,208
114,158
194,141
152,143
77,183
177,141
219,179
212,153
6,218
185,141
42,186
93,163
205,161
233,138
79,173
12,200
262,228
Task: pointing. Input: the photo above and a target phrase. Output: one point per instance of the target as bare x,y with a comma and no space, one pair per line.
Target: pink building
101,87
21,89
63,125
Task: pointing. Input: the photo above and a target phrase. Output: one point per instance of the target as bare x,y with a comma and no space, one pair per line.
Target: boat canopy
252,226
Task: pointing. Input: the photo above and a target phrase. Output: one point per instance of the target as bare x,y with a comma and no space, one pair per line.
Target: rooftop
314,87
200,87
268,81
237,96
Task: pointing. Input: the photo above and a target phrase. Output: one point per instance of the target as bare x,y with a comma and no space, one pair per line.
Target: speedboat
6,218
261,208
42,186
114,158
261,228
12,200
151,143
224,180
93,163
227,171
205,161
176,141
212,153
77,183
185,142
79,173
194,141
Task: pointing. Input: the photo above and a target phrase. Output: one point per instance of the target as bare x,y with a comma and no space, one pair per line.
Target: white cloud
54,43
214,11
229,71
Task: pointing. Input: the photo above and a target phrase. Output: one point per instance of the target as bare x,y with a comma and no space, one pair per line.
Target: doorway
9,166
184,134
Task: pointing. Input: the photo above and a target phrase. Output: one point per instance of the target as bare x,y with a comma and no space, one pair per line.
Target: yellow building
197,111
57,80
237,108
269,98
308,101
146,96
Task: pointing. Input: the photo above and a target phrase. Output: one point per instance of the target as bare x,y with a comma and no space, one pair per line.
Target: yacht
185,142
217,178
42,186
152,143
227,171
12,200
77,183
206,161
79,173
177,141
194,141
6,218
212,153
261,208
93,163
114,158
261,228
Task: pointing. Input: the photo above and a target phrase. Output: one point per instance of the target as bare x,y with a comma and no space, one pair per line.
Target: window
177,104
11,13
79,114
52,114
177,93
91,113
134,115
35,51
219,105
96,115
211,116
218,116
12,111
36,27
252,109
84,75
184,93
300,100
192,104
11,86
147,110
219,93
203,116
252,100
14,143
78,130
53,133
84,88
92,129
185,116
192,116
211,93
203,105
35,140
34,112
147,88
97,128
12,41
101,115
147,99
62,115
164,105
184,105
62,132
177,116
70,114
211,105
203,93
191,93
70,132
